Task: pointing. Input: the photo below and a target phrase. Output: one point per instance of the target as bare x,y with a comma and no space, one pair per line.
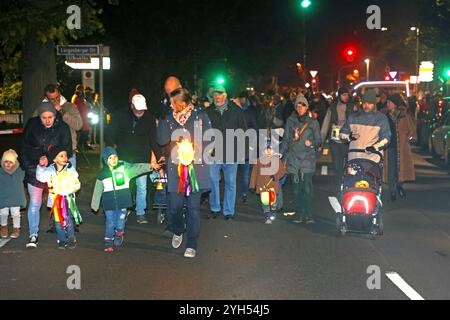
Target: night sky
249,39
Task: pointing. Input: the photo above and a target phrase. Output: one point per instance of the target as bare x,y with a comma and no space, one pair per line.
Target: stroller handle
378,153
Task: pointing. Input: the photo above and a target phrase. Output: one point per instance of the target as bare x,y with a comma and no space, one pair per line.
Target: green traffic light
220,81
447,73
306,4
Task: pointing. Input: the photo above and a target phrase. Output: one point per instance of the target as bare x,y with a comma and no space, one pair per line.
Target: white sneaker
176,241
33,242
269,221
190,253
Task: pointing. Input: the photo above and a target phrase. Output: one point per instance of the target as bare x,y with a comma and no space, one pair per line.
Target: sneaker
72,243
33,242
213,215
268,221
142,220
309,221
62,245
190,253
16,233
4,232
109,249
118,239
299,220
176,241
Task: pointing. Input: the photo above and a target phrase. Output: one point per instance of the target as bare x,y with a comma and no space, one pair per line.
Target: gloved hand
371,149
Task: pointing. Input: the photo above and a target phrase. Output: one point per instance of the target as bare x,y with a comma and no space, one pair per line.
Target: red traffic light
387,78
350,54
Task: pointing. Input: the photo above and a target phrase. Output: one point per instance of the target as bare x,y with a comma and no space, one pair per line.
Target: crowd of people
161,139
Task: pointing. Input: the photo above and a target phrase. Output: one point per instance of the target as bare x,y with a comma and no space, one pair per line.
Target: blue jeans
34,209
141,195
64,234
244,171
192,219
229,202
115,223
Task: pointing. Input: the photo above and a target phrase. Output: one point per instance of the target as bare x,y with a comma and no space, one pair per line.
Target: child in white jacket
62,179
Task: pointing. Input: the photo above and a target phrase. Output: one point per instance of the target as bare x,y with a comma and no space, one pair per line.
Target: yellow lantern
185,152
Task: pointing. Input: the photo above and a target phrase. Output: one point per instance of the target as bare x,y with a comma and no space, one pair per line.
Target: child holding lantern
266,180
62,179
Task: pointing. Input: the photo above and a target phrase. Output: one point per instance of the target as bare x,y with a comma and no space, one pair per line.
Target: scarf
183,116
222,108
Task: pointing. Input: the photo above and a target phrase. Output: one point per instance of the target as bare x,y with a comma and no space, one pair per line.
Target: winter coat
115,194
12,191
259,178
298,156
83,109
233,118
403,129
198,123
134,137
373,130
36,142
72,117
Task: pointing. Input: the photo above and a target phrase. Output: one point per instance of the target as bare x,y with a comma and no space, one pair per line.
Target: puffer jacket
373,130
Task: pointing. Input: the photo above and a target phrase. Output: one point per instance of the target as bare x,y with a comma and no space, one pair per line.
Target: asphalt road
246,259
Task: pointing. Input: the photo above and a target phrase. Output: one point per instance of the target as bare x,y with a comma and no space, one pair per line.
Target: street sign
88,77
78,59
393,74
313,73
78,50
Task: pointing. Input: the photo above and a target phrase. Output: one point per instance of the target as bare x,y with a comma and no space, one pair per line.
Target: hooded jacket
12,193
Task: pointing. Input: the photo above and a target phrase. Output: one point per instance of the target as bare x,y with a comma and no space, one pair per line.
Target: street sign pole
102,125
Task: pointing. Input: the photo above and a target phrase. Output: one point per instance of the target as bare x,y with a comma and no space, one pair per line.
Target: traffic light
306,4
447,73
350,54
220,81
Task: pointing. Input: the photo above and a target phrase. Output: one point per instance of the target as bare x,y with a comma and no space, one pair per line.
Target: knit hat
53,152
10,155
370,96
301,99
343,90
396,99
46,106
108,152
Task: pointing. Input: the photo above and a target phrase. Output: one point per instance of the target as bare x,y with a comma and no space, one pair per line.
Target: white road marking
3,242
324,170
405,287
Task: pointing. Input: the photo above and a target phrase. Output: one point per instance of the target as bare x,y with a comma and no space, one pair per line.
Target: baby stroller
360,199
159,179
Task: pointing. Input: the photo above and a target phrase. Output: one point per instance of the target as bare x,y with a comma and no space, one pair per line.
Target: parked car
440,138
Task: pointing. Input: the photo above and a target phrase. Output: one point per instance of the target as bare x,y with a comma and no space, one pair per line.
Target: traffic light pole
304,38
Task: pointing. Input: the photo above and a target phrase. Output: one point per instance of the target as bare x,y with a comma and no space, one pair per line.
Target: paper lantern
269,197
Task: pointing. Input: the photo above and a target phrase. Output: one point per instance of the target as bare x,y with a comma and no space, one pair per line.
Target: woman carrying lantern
187,171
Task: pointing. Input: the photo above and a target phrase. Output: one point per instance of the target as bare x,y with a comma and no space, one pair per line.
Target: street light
417,51
367,61
305,4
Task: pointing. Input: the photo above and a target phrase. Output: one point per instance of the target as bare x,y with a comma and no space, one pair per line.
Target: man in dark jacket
225,115
133,132
41,134
334,120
